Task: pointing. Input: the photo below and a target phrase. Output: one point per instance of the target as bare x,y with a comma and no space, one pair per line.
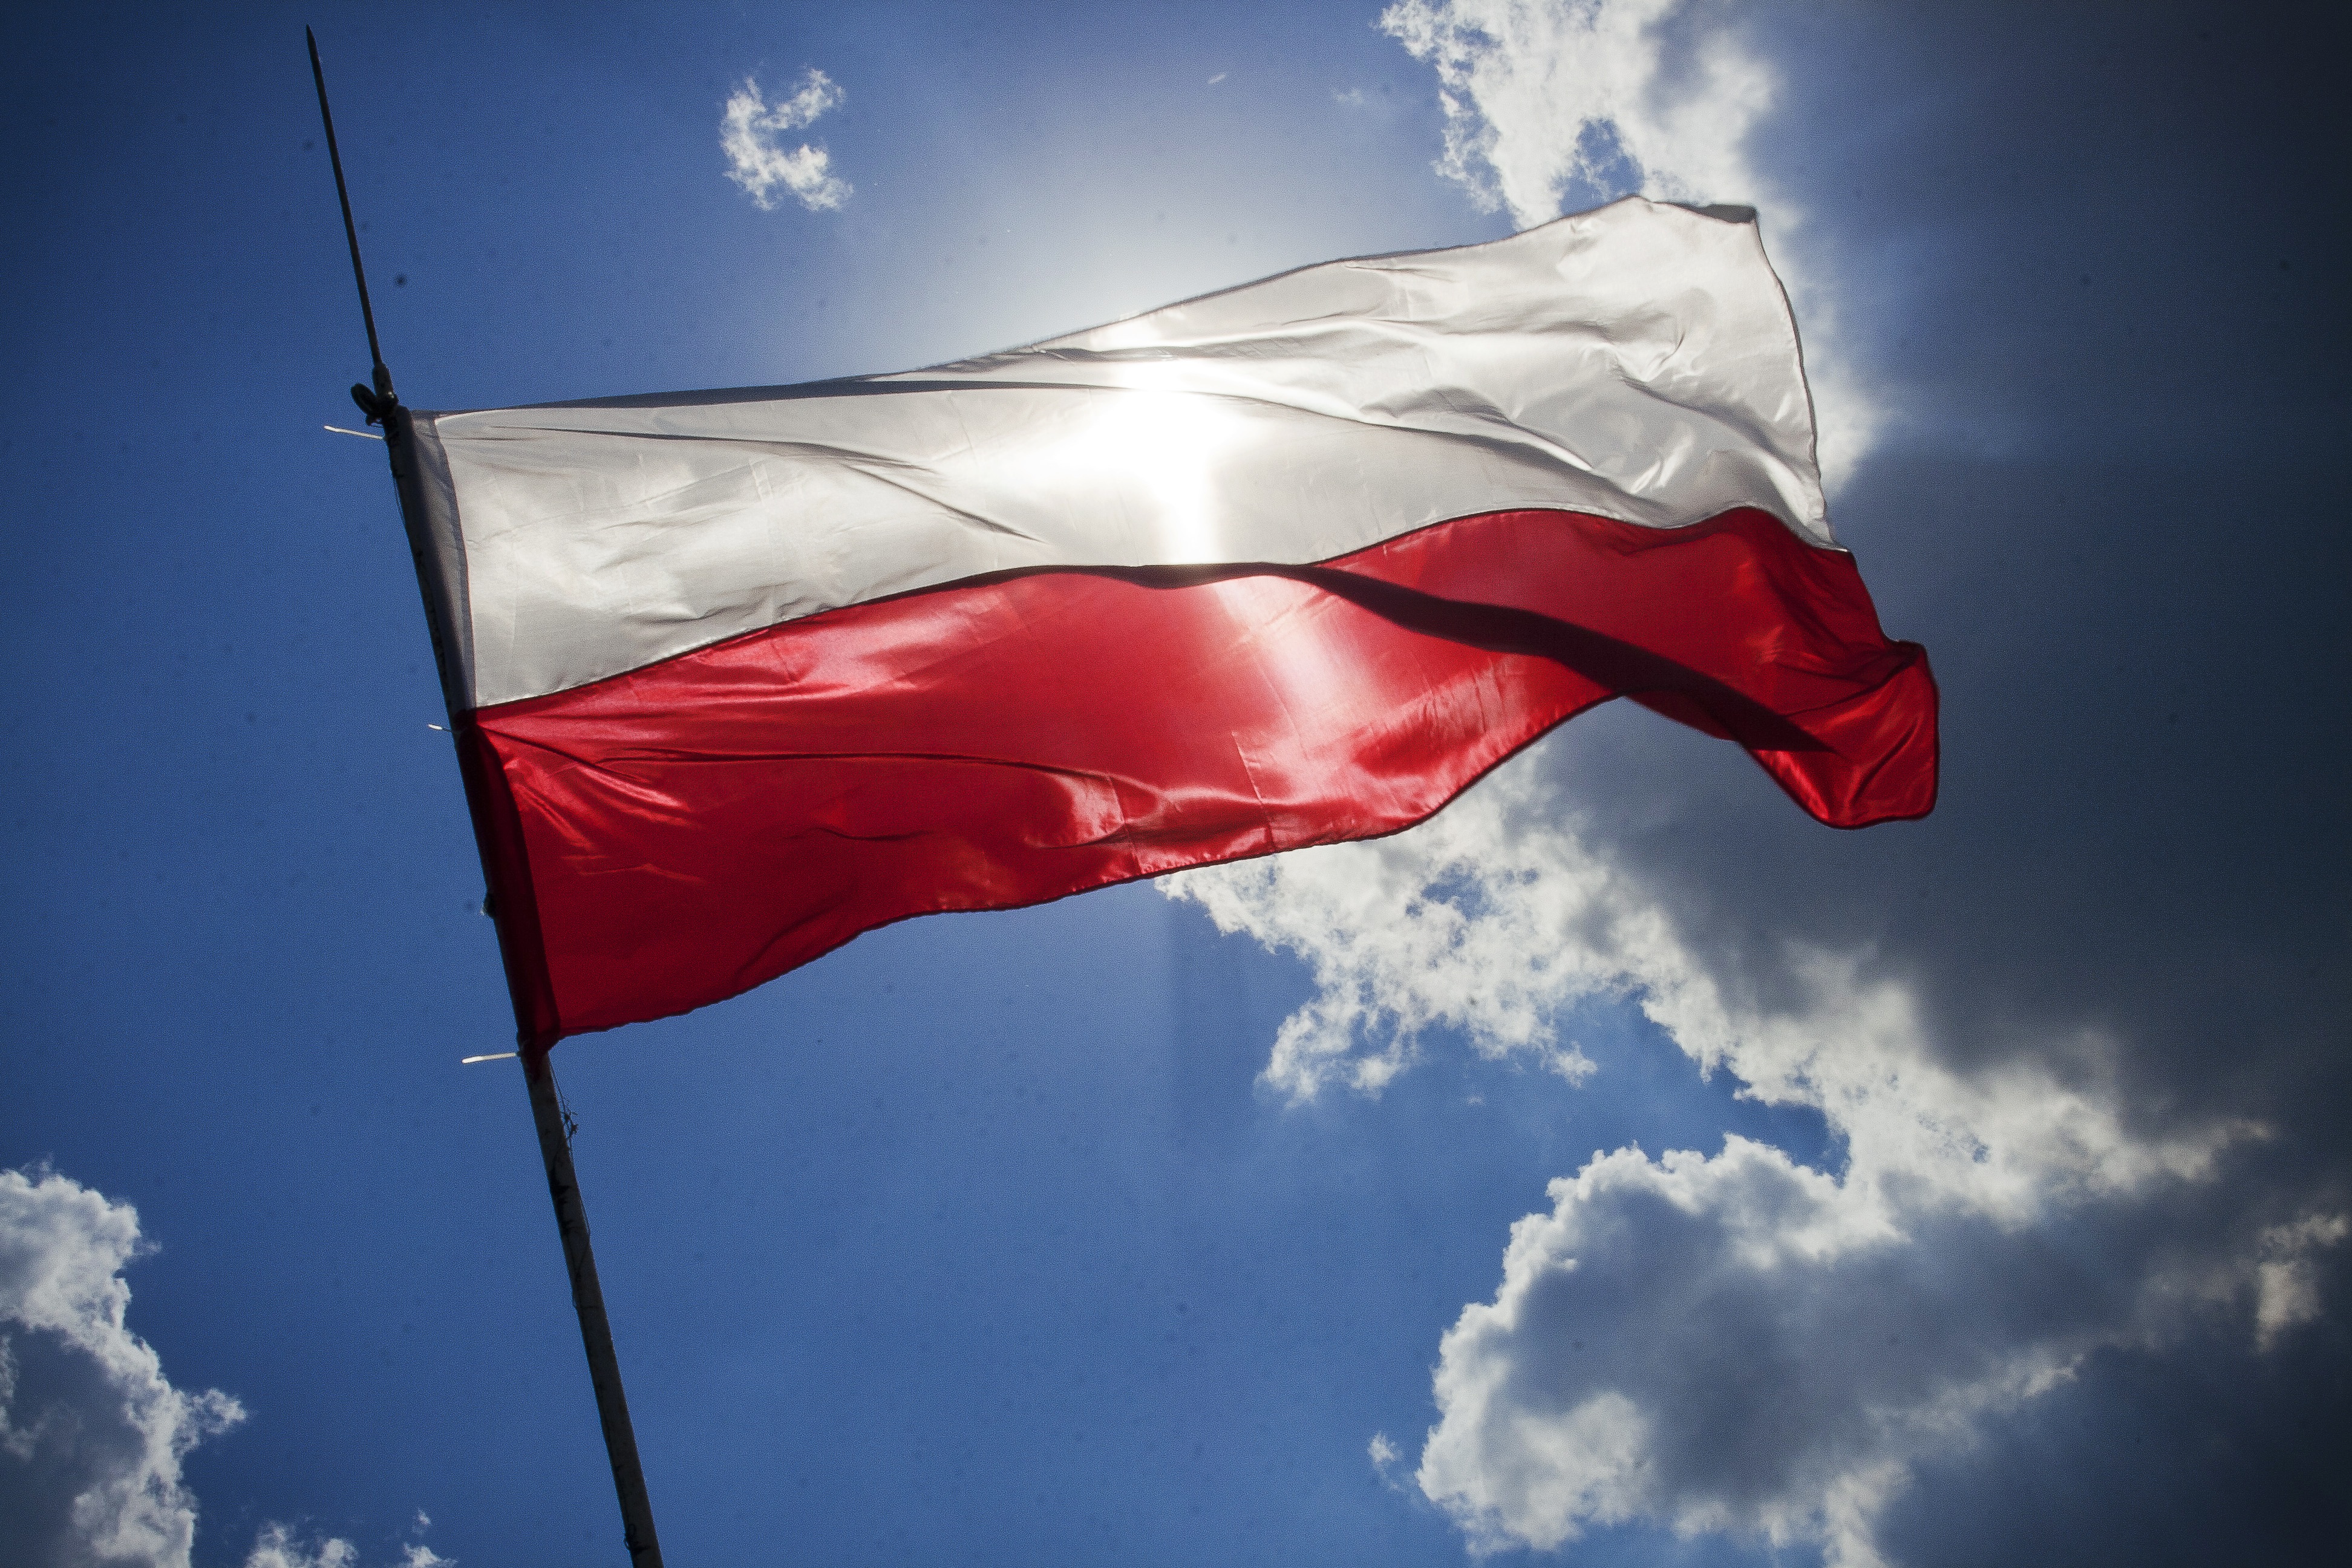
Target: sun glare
1159,450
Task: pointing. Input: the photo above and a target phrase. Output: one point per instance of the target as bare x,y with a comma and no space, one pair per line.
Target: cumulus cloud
1543,96
1496,916
2081,1228
1584,100
1736,1341
1738,1344
752,134
91,1433
1451,925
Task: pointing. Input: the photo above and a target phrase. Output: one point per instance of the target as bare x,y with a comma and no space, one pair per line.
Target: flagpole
385,397
380,404
588,1301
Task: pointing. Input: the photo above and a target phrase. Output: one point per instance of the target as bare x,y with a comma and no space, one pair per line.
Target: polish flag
736,676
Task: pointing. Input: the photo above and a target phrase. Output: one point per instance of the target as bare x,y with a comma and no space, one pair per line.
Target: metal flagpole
588,1300
382,407
381,378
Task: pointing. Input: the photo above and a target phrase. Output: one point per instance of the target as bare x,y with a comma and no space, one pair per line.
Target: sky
1622,1168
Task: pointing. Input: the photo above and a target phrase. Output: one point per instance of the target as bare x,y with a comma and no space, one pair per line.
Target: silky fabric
1638,363
678,834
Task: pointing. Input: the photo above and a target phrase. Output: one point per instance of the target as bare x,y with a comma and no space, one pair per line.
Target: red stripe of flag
682,833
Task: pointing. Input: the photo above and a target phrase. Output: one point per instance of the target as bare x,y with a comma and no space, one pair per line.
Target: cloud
91,1433
1448,926
2068,1282
1496,916
278,1546
2288,1280
1736,1341
1585,100
1541,99
751,134
1385,1456
2047,1189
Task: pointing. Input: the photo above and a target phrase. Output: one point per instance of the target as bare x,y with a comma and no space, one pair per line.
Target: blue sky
991,1238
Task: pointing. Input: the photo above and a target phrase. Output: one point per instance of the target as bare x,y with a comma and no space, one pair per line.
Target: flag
738,675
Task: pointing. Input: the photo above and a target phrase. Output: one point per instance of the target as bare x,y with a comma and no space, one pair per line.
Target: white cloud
91,1433
1385,1456
1739,1343
752,134
1549,99
1495,916
277,1547
2286,1280
1450,926
1541,97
